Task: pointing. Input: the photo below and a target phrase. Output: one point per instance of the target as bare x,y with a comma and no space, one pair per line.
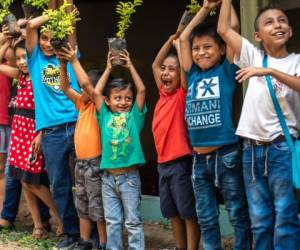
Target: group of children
197,144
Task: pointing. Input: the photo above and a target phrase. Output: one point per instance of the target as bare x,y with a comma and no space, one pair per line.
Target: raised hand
124,56
67,53
211,4
245,73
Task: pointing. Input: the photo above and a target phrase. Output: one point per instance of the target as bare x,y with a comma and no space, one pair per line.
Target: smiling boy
267,160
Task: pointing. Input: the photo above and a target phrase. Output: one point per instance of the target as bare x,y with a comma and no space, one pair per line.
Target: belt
278,139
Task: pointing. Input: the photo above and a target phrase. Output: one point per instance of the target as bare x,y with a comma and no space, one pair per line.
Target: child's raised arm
160,58
102,82
140,87
232,38
64,81
184,38
183,81
32,31
6,69
69,54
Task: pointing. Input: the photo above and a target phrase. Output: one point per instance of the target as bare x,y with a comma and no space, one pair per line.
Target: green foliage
4,8
39,4
61,24
125,10
23,240
194,7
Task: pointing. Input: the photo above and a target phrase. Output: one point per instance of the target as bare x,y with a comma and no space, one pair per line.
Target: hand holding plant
125,57
68,53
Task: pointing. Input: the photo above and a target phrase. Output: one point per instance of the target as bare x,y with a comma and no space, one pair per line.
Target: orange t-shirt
87,133
169,126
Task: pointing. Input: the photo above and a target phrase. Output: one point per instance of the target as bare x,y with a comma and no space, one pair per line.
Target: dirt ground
157,236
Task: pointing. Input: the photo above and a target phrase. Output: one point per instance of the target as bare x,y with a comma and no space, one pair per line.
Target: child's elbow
142,90
30,25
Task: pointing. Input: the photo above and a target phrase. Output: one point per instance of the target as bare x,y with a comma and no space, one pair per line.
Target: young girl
121,117
174,163
216,161
25,159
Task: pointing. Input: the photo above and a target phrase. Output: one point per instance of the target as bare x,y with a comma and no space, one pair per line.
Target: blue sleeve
34,54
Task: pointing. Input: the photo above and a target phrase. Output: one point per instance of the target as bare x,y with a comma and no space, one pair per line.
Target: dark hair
20,44
94,75
117,83
263,10
210,31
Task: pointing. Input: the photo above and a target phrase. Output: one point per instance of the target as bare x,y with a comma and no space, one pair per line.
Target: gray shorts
88,189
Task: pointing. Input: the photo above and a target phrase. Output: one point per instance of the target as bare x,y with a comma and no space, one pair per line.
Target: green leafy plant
194,7
4,9
39,4
61,24
125,10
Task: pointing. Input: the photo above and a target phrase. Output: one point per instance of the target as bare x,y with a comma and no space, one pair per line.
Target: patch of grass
24,240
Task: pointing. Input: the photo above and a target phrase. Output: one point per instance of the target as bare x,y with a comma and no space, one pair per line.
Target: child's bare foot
59,230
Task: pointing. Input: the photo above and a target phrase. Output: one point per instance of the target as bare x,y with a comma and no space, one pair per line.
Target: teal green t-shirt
120,135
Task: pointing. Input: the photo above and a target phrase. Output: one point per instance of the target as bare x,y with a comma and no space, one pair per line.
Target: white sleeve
297,71
249,53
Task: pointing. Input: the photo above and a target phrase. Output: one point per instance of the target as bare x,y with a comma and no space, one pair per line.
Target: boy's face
273,29
120,101
170,74
45,44
206,53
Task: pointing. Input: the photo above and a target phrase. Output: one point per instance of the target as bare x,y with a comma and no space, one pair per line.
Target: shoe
84,245
66,243
39,233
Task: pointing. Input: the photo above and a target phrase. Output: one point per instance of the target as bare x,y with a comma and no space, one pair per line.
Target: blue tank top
209,105
52,107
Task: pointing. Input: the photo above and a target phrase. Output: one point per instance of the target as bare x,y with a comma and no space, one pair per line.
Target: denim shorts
176,189
4,138
88,190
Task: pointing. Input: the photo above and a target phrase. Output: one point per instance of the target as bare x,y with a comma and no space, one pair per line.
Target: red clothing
5,93
22,134
169,127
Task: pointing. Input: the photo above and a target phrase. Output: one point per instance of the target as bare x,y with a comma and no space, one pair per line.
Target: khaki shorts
88,189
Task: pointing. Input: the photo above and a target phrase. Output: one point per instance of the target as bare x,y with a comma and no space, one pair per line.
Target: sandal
59,231
39,233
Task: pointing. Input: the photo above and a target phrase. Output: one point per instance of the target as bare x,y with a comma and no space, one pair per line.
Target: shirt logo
203,104
208,88
50,76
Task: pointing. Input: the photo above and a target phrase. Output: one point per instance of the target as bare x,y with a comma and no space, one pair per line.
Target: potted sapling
9,19
118,44
34,8
191,10
61,24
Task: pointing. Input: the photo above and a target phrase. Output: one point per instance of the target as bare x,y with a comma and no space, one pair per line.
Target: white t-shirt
258,119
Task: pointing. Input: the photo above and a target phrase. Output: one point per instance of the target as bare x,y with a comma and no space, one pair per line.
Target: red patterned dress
21,165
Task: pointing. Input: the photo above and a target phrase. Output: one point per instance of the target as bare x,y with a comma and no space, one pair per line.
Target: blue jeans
121,196
58,146
272,203
221,169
